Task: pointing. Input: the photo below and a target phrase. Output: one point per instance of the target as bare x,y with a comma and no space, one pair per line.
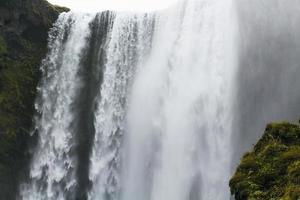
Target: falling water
177,143
130,39
53,167
137,106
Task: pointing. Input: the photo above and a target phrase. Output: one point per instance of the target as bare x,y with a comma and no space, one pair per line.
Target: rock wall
24,26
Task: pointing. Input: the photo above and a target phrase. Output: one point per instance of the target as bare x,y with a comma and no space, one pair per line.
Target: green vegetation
18,81
3,48
272,170
23,44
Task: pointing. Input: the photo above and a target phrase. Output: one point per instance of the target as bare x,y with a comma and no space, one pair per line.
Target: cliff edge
24,26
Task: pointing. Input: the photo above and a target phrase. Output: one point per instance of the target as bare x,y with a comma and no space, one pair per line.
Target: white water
53,167
124,50
178,140
163,109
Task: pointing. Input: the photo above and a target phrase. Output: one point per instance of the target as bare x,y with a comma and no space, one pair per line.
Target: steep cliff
272,169
24,26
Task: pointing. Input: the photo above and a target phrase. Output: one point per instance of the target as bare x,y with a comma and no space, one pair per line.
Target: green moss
3,48
249,163
18,80
292,154
292,192
294,172
272,169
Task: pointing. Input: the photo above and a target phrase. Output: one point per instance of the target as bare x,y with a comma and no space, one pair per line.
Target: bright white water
146,97
53,167
177,145
129,39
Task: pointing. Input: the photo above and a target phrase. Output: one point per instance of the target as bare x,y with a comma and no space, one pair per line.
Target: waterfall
179,120
137,106
53,167
129,41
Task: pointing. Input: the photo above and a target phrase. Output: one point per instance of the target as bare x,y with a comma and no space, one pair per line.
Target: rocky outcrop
272,169
24,26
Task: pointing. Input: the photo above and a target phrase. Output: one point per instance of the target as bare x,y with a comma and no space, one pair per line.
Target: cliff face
272,169
24,26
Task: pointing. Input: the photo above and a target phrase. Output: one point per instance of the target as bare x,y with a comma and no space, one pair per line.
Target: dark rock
24,26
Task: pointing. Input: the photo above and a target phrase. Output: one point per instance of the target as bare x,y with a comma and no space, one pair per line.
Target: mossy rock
23,44
3,48
294,172
58,9
272,170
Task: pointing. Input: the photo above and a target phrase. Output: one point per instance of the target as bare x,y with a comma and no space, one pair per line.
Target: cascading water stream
146,97
52,174
130,39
